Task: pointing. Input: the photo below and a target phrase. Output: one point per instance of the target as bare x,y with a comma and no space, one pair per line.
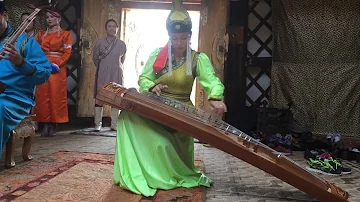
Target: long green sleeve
147,77
207,78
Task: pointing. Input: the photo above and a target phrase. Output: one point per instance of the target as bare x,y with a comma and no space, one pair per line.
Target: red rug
77,176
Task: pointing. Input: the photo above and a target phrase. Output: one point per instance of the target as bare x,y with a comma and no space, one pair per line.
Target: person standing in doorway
108,57
51,97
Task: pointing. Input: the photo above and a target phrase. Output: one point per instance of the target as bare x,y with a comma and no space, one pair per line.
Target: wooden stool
24,130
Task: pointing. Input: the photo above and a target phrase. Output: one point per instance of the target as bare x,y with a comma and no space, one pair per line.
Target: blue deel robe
18,98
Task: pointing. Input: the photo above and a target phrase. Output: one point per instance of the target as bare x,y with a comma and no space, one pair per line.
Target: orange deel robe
51,97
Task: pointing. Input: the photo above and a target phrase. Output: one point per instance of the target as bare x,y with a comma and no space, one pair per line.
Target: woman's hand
13,55
218,107
158,88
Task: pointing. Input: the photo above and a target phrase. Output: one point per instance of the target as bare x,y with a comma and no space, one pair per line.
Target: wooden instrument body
240,147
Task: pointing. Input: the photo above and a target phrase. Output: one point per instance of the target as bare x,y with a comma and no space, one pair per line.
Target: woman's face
31,25
111,28
179,41
51,20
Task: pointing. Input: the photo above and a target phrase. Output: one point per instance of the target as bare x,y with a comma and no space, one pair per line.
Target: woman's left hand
218,107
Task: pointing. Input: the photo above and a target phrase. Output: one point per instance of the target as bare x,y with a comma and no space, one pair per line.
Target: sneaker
273,138
97,128
345,170
325,155
310,154
323,167
337,164
283,150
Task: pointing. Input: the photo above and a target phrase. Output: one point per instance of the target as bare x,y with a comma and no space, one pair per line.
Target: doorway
144,30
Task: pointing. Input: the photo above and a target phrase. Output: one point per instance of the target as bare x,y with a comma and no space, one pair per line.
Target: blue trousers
12,111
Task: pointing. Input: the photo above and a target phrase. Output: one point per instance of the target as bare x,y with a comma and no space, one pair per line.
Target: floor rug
78,176
105,131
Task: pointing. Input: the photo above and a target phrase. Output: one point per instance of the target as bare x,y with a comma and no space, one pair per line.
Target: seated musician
149,155
23,66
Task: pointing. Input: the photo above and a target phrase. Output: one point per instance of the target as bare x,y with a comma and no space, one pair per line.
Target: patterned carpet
77,176
105,131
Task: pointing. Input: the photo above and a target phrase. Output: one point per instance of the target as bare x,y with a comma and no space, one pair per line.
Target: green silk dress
151,156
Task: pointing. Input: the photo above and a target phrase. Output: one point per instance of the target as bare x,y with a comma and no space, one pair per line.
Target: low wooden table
26,131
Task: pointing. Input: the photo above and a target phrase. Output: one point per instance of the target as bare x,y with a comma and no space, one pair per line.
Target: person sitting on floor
149,155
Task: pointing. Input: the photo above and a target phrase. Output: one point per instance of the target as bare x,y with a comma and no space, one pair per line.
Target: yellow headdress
179,21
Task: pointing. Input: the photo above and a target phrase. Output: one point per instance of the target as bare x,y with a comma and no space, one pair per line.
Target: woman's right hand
158,88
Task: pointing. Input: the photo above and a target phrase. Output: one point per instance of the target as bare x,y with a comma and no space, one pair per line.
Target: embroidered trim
194,64
67,45
181,62
174,66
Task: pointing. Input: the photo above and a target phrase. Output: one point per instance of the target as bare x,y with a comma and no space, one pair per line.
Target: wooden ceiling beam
164,1
158,5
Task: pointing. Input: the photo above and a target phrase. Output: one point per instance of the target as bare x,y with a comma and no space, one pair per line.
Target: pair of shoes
323,167
52,129
322,156
49,130
45,130
284,140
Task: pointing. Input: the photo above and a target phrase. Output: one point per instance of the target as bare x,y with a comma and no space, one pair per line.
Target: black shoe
45,130
52,129
310,154
345,170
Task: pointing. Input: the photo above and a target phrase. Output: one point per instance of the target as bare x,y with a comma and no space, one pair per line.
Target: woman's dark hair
53,9
111,20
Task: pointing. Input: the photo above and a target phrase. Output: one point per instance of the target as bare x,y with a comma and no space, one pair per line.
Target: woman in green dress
149,155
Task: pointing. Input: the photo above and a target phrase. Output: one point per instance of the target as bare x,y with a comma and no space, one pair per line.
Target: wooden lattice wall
259,53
